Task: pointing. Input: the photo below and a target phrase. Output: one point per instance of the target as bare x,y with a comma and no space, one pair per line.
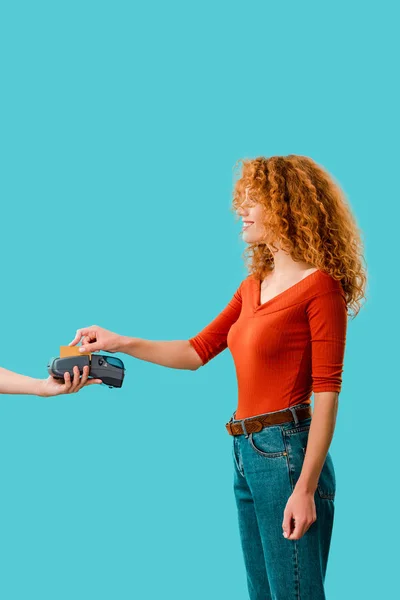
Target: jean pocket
268,442
327,480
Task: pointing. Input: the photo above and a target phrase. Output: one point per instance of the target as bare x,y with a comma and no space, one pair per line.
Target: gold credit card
72,351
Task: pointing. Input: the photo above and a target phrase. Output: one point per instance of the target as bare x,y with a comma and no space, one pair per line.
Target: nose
242,210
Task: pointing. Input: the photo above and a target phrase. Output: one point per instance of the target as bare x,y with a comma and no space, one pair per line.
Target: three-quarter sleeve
212,340
327,314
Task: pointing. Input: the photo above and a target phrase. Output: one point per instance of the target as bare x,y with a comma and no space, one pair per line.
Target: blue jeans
267,465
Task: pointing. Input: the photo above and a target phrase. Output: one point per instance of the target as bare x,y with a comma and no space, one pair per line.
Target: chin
248,237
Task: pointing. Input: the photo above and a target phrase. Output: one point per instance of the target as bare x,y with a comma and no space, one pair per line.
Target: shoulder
326,299
324,284
248,280
246,283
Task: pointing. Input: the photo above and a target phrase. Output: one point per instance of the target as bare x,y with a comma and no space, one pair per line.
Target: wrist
123,343
38,387
305,487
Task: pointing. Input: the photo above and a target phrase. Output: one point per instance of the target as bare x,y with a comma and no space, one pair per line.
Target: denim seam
325,495
296,576
236,460
287,459
295,549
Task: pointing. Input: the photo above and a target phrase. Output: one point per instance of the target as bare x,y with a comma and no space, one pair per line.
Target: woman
14,383
286,328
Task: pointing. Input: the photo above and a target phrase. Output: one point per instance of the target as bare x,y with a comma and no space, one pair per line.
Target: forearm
319,439
14,383
176,354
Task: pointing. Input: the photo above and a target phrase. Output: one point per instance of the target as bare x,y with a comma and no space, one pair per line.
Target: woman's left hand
301,509
54,387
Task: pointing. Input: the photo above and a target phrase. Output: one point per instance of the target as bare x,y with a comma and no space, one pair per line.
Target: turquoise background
120,124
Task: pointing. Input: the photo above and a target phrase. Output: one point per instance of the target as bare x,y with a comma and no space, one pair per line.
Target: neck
287,268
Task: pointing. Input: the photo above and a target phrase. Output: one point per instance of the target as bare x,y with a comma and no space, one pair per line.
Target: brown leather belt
254,424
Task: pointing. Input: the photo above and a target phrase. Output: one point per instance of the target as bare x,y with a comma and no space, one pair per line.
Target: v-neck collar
257,291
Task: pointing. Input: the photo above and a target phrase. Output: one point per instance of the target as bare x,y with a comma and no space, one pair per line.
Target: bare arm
14,383
319,439
176,354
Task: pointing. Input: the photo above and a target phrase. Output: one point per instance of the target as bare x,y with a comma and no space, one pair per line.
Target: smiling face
252,214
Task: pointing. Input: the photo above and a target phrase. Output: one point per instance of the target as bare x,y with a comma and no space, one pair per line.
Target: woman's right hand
96,338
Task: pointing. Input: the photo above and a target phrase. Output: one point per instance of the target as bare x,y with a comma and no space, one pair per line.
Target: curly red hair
307,212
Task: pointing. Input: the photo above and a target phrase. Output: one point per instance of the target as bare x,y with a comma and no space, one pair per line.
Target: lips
248,224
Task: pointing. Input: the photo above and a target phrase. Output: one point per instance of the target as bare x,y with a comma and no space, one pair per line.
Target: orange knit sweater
284,349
